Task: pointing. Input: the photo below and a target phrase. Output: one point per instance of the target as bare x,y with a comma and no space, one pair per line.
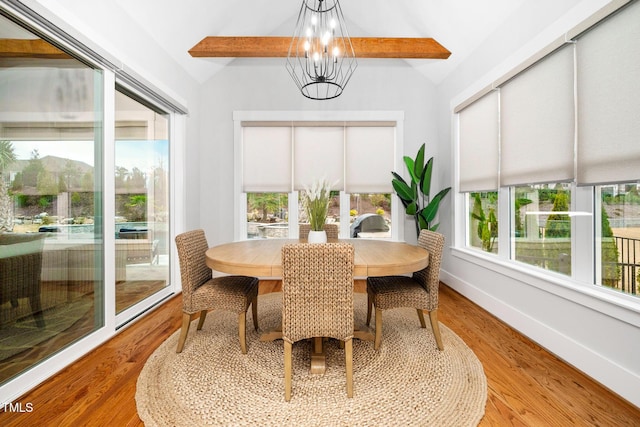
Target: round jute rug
407,382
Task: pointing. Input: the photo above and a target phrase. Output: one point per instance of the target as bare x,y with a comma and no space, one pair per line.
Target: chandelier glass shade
321,59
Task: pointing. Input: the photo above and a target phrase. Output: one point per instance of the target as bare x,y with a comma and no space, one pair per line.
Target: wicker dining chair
202,292
317,299
331,230
420,291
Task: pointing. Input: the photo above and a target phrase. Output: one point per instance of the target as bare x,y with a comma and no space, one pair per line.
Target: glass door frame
16,387
131,313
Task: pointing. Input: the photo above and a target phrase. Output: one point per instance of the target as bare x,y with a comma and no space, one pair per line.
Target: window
277,159
619,237
557,139
483,221
370,215
542,226
267,215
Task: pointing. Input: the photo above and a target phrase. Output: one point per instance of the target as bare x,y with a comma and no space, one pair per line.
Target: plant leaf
414,190
401,181
422,222
398,177
403,190
411,208
408,161
425,178
418,164
431,210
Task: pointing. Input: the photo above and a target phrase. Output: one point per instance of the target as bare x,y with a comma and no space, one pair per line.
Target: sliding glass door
64,228
141,200
51,239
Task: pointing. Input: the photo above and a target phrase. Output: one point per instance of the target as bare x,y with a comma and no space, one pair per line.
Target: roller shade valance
357,159
537,122
370,159
318,153
267,159
479,145
608,82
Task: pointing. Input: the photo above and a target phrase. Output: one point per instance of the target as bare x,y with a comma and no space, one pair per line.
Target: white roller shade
608,75
537,122
479,145
266,159
370,158
318,153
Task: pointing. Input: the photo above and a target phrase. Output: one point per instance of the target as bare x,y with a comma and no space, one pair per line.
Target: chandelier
321,58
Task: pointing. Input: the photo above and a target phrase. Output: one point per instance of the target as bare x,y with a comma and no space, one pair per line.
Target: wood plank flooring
527,386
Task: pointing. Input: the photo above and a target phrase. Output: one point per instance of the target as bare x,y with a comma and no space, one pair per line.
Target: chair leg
288,350
348,356
376,344
254,312
36,308
421,317
242,326
203,315
433,318
186,322
369,307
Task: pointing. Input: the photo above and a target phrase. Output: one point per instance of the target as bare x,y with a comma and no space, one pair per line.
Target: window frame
135,310
240,199
582,287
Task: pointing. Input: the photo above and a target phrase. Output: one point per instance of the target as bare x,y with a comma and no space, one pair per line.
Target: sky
129,154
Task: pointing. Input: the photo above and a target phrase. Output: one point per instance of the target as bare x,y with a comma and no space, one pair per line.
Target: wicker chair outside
331,230
419,291
317,299
201,292
20,274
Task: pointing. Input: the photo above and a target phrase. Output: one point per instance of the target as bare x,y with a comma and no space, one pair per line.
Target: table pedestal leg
363,333
318,357
273,335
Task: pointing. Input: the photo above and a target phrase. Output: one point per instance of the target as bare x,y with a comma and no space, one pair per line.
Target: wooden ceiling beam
253,47
30,48
275,47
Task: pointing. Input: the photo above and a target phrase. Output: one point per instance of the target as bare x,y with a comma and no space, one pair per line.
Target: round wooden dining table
262,258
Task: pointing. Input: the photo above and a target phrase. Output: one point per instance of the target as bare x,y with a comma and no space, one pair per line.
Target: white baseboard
613,376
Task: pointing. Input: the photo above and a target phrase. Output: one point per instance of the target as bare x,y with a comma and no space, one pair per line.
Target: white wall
265,85
601,338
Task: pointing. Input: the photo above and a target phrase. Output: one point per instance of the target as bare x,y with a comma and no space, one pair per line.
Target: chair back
192,246
331,230
317,291
429,277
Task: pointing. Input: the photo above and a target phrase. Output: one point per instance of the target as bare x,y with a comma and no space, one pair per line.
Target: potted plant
415,196
316,205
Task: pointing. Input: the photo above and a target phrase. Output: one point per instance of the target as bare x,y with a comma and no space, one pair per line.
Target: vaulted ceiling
460,25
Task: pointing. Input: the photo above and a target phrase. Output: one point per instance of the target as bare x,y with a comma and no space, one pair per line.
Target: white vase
317,236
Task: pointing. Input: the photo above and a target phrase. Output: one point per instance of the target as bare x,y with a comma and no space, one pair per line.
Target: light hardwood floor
527,386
